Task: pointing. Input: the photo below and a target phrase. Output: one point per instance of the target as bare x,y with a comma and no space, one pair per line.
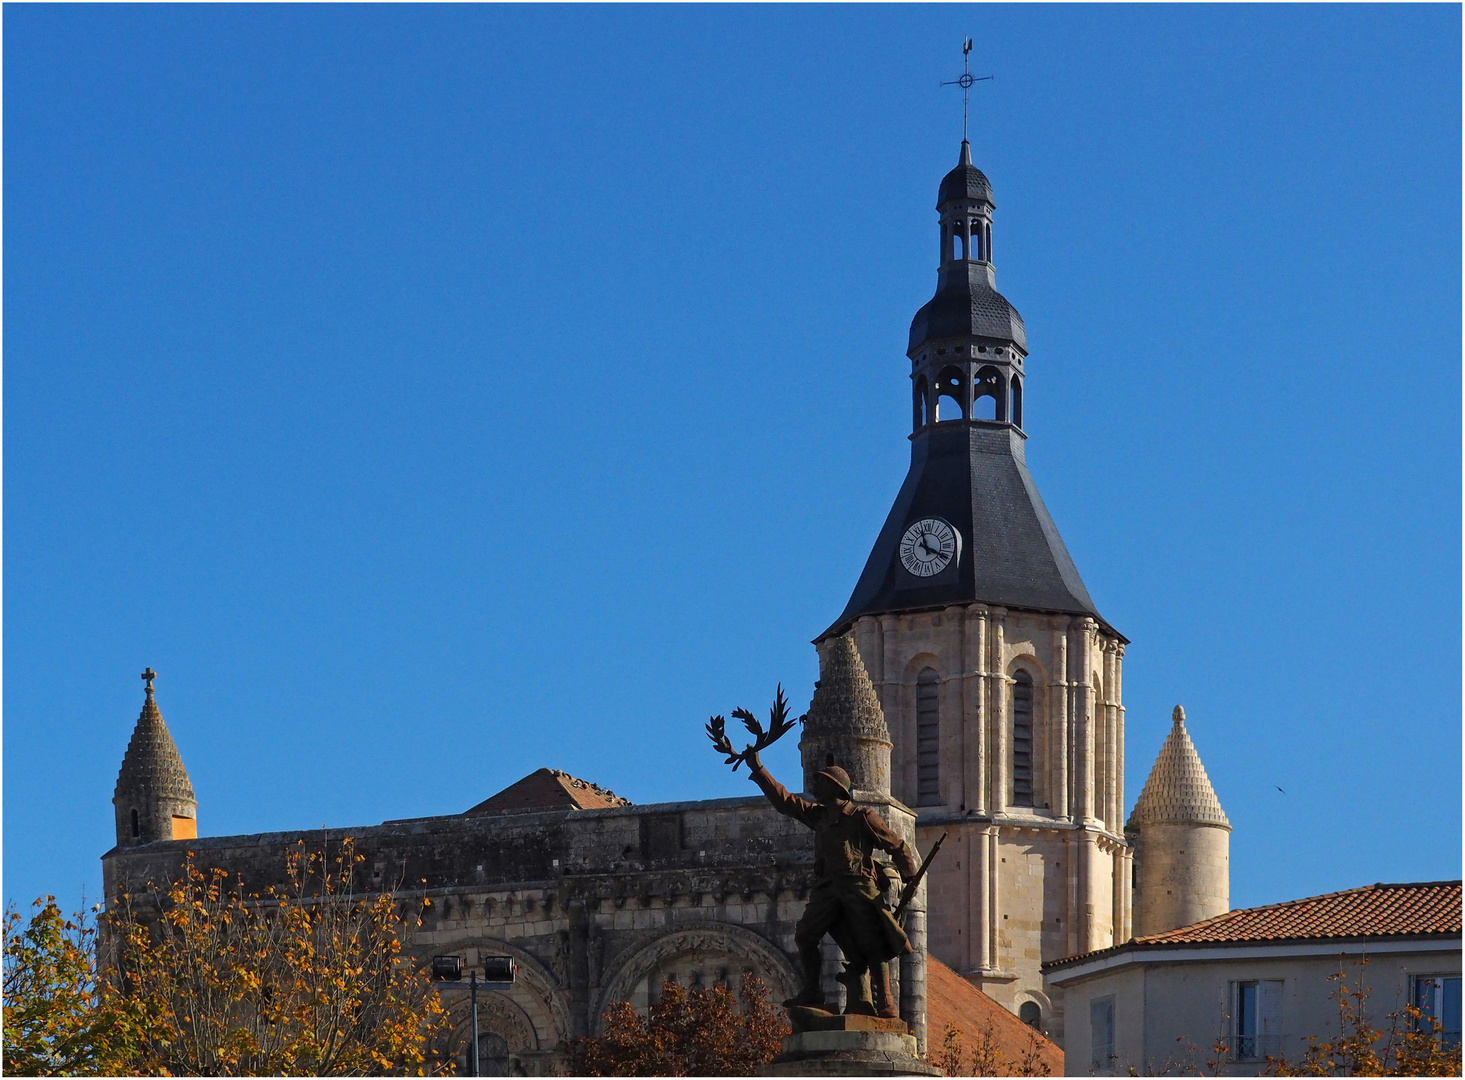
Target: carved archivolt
710,940
498,1014
536,992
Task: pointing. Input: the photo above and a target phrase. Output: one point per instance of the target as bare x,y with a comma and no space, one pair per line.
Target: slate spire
845,725
968,490
1178,790
154,799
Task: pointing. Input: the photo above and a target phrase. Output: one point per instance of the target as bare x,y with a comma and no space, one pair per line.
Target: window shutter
928,738
1022,740
1269,1018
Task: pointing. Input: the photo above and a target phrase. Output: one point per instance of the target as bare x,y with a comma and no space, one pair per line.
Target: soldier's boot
812,993
857,991
885,1003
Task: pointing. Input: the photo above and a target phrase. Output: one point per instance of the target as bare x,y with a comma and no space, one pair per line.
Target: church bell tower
998,678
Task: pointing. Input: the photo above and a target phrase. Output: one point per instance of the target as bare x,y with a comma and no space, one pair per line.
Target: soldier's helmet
840,777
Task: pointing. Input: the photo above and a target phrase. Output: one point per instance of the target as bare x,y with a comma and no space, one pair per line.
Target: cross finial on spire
148,676
965,82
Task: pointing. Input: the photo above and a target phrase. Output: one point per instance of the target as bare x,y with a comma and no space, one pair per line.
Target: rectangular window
1101,1035
1438,998
1257,1025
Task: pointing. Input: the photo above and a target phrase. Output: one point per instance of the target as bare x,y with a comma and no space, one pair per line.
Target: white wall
1168,1012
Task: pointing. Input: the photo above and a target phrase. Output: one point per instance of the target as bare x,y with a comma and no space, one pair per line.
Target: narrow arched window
1022,739
1031,1014
135,830
919,403
928,738
1017,402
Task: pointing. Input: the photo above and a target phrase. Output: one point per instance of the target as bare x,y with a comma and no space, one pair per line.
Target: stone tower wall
1014,886
1184,875
155,814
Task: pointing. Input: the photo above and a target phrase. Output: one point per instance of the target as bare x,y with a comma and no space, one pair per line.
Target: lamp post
497,971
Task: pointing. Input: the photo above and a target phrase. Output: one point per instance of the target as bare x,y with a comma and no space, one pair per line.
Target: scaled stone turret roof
1178,789
152,764
844,700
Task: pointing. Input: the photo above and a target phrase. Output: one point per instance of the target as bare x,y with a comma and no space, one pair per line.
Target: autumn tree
60,1019
686,1033
309,978
1412,1044
986,1057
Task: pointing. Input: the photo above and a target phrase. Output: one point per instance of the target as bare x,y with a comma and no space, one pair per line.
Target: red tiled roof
1431,907
950,999
1373,911
550,789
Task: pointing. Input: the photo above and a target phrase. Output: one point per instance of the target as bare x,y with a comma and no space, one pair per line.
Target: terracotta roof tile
550,789
1431,907
1372,911
950,999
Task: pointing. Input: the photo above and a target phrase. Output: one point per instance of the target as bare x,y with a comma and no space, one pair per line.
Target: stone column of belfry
845,726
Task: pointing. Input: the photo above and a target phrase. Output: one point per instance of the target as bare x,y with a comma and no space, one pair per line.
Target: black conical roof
967,305
966,181
972,475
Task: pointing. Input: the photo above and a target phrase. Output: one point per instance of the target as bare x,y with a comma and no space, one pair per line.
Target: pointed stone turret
1182,841
153,799
1178,789
845,725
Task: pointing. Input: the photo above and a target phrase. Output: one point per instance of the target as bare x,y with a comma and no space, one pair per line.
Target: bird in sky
1279,789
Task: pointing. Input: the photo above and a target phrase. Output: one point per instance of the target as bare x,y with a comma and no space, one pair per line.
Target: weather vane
965,82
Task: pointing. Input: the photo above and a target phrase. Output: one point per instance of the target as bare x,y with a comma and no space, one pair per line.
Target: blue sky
432,394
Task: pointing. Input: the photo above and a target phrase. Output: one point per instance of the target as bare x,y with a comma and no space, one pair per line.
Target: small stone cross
148,676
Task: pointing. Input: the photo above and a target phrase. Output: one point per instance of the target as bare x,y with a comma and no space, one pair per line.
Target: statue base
835,1044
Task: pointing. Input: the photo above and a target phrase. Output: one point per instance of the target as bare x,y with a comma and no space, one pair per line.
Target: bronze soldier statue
847,899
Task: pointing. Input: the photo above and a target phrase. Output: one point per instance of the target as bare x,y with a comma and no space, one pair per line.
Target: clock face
929,546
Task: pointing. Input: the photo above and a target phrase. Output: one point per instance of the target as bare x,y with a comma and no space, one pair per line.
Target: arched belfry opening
951,394
989,394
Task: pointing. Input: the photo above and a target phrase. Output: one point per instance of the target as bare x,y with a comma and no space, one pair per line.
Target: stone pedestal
828,1044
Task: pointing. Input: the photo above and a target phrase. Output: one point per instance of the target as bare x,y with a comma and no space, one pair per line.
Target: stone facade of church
598,900
1000,725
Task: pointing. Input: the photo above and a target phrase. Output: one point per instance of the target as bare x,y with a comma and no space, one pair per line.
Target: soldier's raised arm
789,805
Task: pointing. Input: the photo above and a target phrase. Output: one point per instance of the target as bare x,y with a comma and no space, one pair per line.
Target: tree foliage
986,1057
59,1018
1411,1045
687,1033
199,977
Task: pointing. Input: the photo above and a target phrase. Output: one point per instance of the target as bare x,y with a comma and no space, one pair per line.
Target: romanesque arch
536,994
711,948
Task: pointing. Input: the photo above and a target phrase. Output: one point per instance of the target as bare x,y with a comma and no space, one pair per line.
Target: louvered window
1022,740
928,738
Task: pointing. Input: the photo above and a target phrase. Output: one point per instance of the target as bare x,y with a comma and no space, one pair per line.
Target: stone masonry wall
596,905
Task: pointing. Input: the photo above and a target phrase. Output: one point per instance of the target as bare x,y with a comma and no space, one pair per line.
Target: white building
1257,983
